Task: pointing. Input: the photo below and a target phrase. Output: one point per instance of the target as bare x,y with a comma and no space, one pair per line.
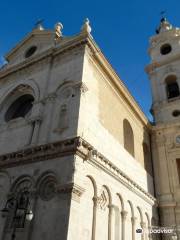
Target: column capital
111,206
143,224
133,220
124,214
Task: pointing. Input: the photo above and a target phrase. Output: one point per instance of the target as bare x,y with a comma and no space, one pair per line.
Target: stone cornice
73,146
152,67
166,125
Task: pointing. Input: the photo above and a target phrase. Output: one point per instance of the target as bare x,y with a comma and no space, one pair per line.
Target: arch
47,185
94,184
65,92
11,96
20,191
31,83
24,181
121,201
109,194
20,107
131,207
148,219
172,87
63,85
44,175
140,213
128,137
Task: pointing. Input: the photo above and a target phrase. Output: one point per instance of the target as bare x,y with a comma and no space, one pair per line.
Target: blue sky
121,29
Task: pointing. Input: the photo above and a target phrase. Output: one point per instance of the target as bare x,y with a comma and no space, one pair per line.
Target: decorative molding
71,188
72,146
50,98
103,200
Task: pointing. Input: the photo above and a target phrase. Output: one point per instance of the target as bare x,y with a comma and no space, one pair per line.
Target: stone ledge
73,146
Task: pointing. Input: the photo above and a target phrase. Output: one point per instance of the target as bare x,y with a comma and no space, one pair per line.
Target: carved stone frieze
71,188
72,146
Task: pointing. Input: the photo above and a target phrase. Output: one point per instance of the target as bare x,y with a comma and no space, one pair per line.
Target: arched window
147,159
128,137
172,87
20,107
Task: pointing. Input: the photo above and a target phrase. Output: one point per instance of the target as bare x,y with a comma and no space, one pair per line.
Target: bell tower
164,75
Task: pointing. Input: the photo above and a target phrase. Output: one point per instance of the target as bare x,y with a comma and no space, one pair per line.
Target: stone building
75,148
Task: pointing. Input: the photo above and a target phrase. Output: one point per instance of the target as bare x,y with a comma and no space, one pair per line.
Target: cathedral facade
79,160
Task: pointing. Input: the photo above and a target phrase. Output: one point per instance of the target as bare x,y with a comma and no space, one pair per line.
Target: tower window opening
172,87
176,113
165,49
20,107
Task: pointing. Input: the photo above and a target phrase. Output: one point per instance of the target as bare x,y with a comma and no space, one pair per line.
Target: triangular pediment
41,40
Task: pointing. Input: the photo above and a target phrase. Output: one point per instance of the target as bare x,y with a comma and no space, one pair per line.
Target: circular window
176,113
165,49
30,51
20,107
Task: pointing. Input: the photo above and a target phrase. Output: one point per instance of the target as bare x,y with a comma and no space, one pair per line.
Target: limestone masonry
77,152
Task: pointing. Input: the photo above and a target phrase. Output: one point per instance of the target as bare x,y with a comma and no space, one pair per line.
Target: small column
110,221
149,233
123,217
35,119
133,221
95,203
143,226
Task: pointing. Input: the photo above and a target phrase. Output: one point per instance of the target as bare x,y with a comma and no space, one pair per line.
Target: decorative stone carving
67,93
67,147
50,98
47,188
75,190
86,28
103,200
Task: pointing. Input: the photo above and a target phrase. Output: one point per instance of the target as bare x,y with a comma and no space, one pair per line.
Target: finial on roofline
38,25
86,28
